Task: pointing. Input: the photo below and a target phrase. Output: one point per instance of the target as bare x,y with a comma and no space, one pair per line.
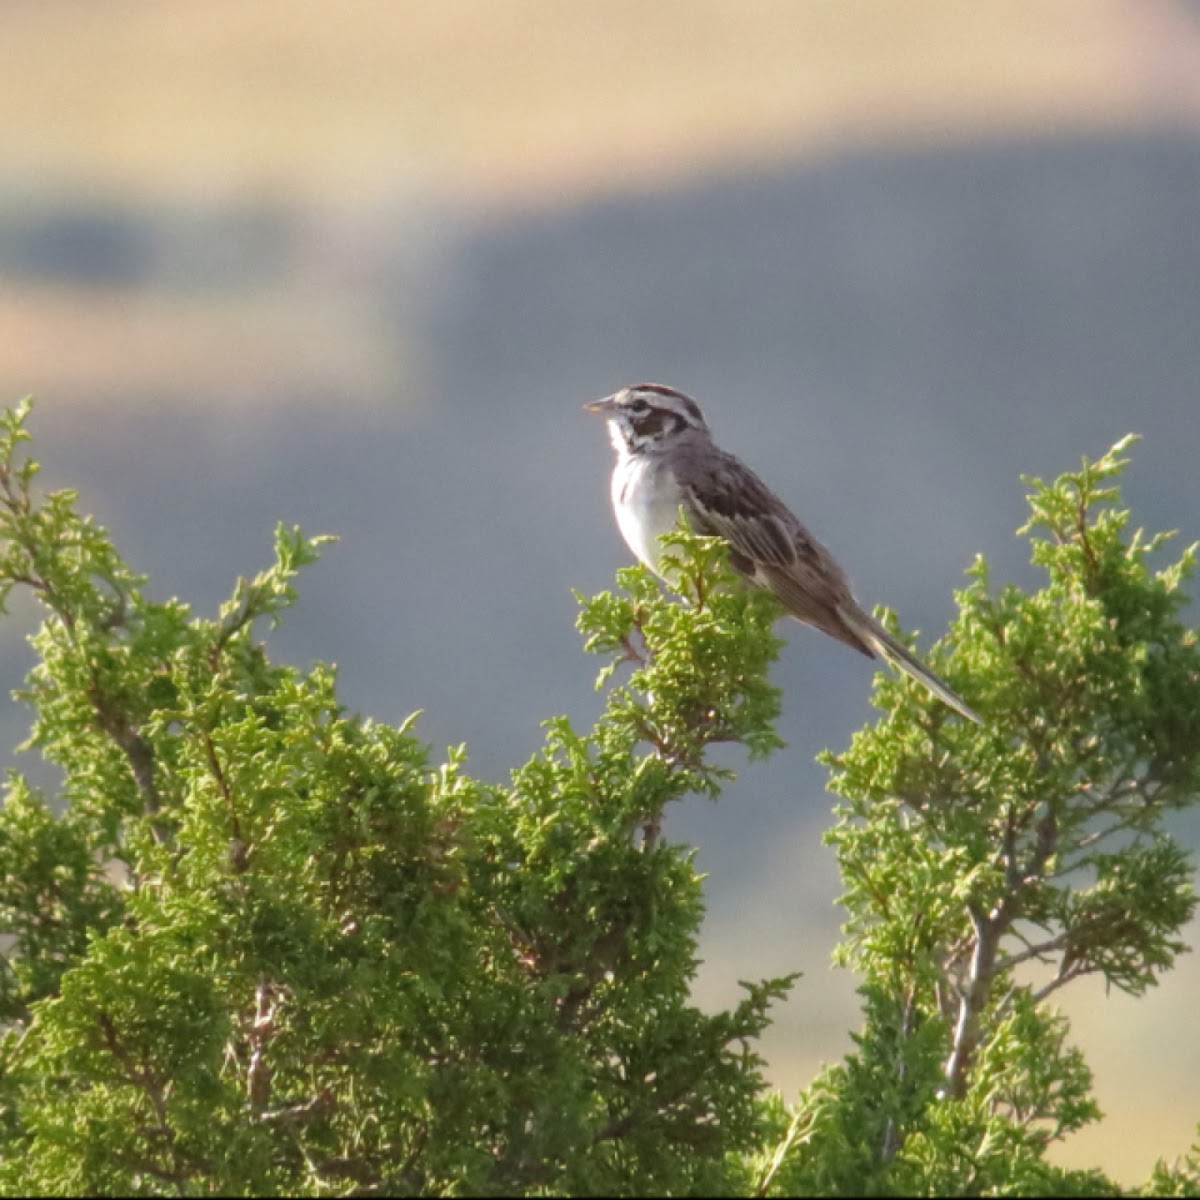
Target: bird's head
643,417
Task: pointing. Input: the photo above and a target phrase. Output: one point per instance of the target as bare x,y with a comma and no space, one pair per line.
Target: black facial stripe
668,393
655,422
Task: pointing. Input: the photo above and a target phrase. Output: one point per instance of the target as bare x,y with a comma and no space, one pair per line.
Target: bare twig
218,773
137,751
796,1135
1066,972
233,624
319,1104
258,1073
1039,951
141,1077
651,831
631,653
974,998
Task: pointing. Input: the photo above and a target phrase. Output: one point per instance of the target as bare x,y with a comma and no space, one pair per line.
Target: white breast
646,502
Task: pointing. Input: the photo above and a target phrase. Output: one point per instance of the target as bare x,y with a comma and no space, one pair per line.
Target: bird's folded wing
751,529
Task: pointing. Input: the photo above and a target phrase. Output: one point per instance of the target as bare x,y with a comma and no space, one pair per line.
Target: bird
667,460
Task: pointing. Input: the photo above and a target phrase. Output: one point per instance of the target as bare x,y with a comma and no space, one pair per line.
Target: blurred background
358,266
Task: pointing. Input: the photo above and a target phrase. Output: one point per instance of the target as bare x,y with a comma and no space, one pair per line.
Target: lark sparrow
667,459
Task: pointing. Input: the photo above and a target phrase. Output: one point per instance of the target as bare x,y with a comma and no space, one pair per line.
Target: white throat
645,500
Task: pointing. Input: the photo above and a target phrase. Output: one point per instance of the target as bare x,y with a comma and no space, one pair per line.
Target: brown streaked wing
730,501
769,545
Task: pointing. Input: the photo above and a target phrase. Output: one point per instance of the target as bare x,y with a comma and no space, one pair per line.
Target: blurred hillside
359,272
377,134
530,99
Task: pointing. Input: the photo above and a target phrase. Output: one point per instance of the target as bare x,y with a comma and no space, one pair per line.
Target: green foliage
987,867
263,945
1181,1178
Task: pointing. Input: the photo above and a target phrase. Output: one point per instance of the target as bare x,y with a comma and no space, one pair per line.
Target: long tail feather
901,657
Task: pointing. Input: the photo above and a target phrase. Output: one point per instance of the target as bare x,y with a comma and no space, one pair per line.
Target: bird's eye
639,407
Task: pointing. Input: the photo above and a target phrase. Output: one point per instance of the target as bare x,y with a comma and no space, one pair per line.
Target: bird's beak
603,406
